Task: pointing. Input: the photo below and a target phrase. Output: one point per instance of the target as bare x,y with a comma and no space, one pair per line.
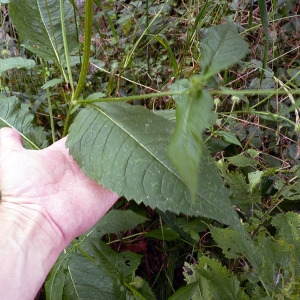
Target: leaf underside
123,147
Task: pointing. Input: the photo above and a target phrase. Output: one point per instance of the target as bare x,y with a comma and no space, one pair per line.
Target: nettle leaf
278,264
287,226
38,23
17,115
16,62
221,48
95,269
234,245
192,276
240,191
213,280
219,276
124,148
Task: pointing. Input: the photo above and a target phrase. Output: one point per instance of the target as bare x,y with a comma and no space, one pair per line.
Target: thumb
10,140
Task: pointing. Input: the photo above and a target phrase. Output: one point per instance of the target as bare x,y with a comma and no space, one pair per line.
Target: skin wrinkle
45,217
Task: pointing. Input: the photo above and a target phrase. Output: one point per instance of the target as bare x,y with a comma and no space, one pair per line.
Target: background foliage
210,189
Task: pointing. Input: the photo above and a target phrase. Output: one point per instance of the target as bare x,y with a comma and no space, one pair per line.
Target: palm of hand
50,181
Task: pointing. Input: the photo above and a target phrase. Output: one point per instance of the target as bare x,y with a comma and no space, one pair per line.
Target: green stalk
88,16
63,29
129,98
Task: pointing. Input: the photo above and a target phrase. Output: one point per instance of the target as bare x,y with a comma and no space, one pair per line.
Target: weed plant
201,99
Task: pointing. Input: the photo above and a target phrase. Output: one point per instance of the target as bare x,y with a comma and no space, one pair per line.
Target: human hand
50,181
46,201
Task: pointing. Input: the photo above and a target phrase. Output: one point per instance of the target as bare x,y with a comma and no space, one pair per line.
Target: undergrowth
237,101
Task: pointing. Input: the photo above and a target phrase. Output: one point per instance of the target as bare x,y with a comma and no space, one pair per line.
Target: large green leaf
38,23
124,148
221,48
96,269
17,115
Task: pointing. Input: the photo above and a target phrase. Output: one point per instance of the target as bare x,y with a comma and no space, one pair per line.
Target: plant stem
129,98
88,16
85,62
63,29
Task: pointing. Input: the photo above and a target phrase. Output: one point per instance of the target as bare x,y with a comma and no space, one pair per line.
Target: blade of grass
163,41
128,57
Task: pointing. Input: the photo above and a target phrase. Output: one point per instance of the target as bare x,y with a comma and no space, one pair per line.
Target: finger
10,140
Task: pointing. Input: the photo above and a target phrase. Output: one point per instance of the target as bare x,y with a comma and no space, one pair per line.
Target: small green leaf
255,178
186,292
96,96
117,221
287,226
17,115
234,245
51,83
242,161
221,48
165,233
16,62
229,137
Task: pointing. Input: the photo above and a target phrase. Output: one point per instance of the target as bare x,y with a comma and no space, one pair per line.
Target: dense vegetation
189,110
